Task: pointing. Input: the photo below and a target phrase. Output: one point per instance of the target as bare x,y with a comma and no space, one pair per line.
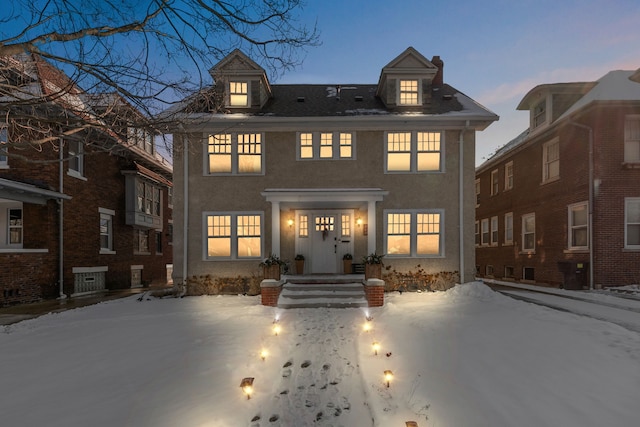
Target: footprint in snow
306,364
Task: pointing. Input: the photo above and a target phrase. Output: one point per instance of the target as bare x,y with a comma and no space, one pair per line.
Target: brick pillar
374,291
270,291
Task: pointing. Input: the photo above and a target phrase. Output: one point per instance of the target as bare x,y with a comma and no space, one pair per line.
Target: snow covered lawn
466,357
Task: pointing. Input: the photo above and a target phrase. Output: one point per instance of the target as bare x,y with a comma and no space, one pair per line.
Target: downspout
61,221
185,207
591,231
461,202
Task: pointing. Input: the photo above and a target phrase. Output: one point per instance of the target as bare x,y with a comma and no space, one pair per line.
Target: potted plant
347,261
299,264
372,266
271,267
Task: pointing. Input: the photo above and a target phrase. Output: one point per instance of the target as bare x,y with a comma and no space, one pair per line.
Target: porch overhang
28,193
306,198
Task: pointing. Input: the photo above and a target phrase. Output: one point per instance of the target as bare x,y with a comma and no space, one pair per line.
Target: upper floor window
238,94
551,160
413,233
140,138
106,229
632,139
148,198
485,232
578,226
233,235
409,93
494,230
495,183
632,223
4,141
529,232
539,114
508,176
76,158
413,152
234,154
325,145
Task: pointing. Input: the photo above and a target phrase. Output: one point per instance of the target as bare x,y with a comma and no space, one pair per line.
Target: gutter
185,207
61,221
591,172
461,201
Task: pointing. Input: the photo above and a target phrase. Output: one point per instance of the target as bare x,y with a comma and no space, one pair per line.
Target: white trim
23,251
75,270
627,200
522,233
107,211
137,267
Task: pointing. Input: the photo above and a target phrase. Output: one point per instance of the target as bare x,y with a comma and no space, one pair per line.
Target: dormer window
409,93
238,94
539,114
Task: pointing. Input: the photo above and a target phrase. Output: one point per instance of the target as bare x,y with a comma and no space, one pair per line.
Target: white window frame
239,89
233,150
547,163
494,231
539,114
106,215
508,228
414,152
414,232
76,155
141,236
319,147
4,144
19,227
572,227
631,221
632,139
233,236
477,235
417,92
495,182
508,176
485,233
524,233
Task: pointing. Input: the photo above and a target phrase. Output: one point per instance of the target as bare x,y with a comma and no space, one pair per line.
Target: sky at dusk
494,51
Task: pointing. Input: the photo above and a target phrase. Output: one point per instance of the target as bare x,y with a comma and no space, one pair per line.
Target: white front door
324,243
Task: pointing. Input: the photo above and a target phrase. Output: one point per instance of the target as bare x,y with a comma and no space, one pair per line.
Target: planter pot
271,272
299,266
373,271
347,266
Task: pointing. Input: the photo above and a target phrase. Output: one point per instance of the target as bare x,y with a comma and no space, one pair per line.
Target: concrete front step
310,295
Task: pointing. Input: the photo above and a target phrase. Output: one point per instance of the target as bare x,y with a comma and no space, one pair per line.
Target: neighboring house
91,217
323,170
538,219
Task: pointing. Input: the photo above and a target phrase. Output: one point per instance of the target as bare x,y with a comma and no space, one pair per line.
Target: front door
324,243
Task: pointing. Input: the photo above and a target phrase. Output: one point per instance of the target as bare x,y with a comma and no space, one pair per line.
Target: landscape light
276,329
367,326
388,376
247,386
411,424
263,354
376,347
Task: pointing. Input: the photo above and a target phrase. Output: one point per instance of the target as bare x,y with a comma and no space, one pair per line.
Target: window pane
429,244
250,153
579,237
398,234
303,230
428,161
219,153
238,94
633,235
219,247
345,145
399,162
249,236
633,211
306,146
398,245
326,145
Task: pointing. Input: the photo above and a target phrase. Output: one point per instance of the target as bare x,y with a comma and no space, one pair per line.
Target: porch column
275,228
371,224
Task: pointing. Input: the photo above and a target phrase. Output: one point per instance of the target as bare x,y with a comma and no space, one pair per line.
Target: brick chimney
438,79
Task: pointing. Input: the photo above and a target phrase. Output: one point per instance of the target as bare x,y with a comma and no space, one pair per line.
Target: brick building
538,219
92,216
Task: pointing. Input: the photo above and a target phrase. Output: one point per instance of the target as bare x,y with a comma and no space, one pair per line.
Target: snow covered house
90,217
325,170
560,204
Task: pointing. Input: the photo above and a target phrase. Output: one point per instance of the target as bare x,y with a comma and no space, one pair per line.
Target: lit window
508,176
494,182
346,226
413,233
15,226
578,226
233,235
239,154
632,223
632,139
413,152
325,145
409,94
325,223
345,146
106,229
485,232
539,114
551,160
306,146
494,230
303,227
238,94
529,232
508,228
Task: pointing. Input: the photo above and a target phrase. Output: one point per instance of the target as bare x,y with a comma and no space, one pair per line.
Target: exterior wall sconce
247,386
290,222
388,376
376,347
359,221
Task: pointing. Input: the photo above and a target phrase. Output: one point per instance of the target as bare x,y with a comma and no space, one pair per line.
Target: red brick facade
553,261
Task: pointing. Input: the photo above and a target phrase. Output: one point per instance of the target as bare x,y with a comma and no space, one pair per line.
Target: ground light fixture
263,354
367,326
388,376
411,424
276,329
247,386
376,347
